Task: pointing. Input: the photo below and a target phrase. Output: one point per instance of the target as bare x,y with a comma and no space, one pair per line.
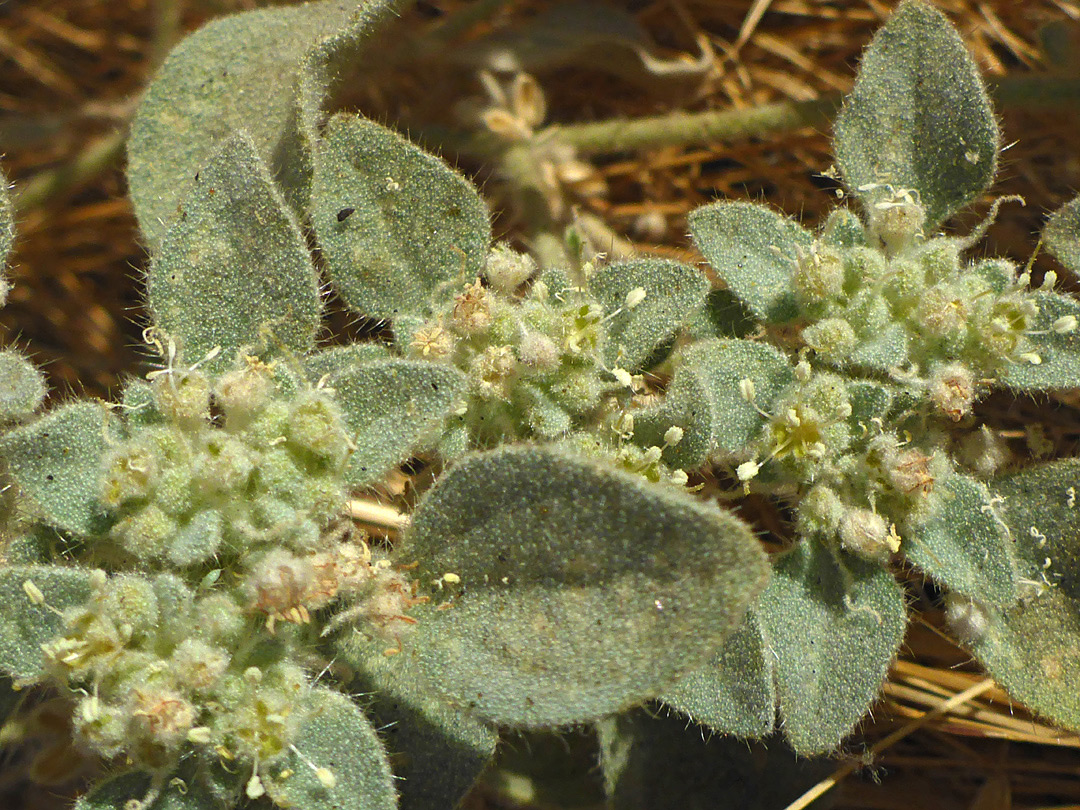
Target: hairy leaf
963,544
1062,235
234,271
673,292
583,589
22,386
391,408
236,73
754,250
57,462
334,359
734,693
117,793
33,597
833,629
398,227
1032,648
707,399
1055,338
436,751
918,118
350,765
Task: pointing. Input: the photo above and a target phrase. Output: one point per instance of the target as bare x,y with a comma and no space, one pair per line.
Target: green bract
190,570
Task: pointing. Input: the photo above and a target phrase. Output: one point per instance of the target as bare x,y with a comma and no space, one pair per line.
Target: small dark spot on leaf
434,386
344,214
49,477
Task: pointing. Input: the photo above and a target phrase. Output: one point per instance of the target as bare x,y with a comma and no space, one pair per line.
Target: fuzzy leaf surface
918,117
418,229
963,544
1058,352
1061,235
705,399
673,292
115,794
22,386
1032,648
236,73
584,589
24,625
833,631
653,762
334,359
337,736
436,750
734,693
234,271
57,462
391,408
754,250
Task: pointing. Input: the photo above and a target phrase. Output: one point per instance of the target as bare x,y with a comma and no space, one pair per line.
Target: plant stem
685,129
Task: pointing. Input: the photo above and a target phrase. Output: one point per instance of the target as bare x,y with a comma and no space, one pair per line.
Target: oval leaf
583,589
834,632
918,117
1062,235
26,623
754,250
392,408
963,544
398,227
673,293
236,73
234,271
706,399
1055,340
734,693
1033,647
57,462
335,736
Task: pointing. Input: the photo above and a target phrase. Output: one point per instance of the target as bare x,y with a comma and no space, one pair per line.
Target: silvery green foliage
884,336
184,567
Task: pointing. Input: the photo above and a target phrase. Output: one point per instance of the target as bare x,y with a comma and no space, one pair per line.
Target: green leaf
734,693
117,792
336,736
57,462
706,399
963,544
754,250
843,229
722,316
334,359
436,751
1032,648
918,118
22,386
25,623
583,589
392,408
197,540
673,292
886,350
1062,235
236,73
1055,340
398,227
234,272
659,761
833,629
